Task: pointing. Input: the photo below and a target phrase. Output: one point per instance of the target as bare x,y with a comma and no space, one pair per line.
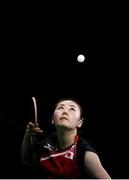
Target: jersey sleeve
83,146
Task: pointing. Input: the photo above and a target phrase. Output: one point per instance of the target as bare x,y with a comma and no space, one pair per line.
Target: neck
66,137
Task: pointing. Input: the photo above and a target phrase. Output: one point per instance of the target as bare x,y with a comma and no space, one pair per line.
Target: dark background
39,53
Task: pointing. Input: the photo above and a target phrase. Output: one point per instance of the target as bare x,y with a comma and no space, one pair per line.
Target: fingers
30,125
34,128
36,124
38,130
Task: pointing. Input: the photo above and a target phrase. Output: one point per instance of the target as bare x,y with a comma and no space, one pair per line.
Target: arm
94,167
28,155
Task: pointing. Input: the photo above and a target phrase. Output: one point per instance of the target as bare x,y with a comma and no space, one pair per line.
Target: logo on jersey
48,146
69,155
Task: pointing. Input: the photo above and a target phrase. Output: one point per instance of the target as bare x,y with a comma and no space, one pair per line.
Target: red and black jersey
63,163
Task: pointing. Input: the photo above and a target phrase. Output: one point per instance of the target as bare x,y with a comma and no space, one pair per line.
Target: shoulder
84,145
94,167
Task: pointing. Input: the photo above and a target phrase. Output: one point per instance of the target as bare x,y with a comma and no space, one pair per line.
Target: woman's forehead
68,102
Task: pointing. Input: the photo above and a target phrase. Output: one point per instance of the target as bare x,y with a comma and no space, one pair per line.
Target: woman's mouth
64,117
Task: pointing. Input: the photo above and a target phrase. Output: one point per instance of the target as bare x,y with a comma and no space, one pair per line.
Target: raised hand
34,128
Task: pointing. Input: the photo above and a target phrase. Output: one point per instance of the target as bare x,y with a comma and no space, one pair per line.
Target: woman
64,154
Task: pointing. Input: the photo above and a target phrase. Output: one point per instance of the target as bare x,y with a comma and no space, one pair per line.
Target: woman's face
67,113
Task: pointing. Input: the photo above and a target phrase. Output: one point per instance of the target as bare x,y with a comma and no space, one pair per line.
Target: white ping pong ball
81,58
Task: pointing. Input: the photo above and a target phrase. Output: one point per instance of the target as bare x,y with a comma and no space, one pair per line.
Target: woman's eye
72,109
60,107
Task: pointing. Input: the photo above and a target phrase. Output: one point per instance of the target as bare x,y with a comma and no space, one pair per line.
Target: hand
34,128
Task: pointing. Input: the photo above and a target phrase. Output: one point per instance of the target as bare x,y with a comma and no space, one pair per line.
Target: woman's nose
65,110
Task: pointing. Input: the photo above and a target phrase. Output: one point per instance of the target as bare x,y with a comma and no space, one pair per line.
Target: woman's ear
80,122
52,121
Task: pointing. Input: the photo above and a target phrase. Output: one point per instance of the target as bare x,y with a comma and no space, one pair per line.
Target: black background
39,52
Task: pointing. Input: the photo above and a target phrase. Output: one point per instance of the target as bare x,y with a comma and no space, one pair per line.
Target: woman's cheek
56,115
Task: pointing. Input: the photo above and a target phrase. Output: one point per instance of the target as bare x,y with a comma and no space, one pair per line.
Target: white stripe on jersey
53,155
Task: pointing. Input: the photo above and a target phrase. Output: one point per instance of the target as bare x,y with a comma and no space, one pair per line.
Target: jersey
63,163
